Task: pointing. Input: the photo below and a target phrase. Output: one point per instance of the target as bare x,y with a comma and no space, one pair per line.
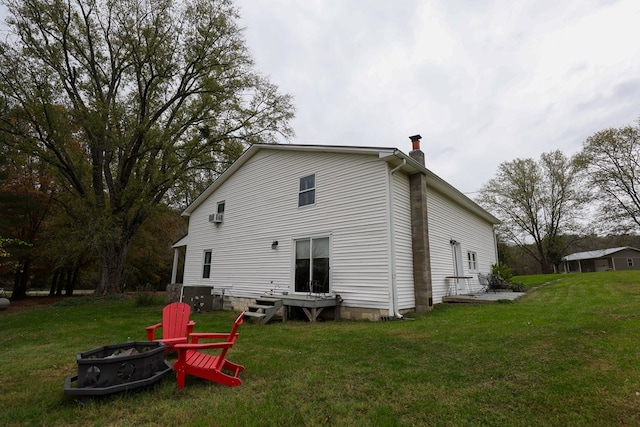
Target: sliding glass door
312,265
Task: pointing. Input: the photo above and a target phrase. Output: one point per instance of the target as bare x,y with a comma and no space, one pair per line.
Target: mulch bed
38,301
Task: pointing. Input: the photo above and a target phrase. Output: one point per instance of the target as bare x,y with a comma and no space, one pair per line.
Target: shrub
497,282
501,269
145,296
518,287
501,276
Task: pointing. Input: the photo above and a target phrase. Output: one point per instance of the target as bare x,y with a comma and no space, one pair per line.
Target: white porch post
174,269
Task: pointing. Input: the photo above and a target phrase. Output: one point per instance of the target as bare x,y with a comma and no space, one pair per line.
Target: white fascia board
183,241
413,166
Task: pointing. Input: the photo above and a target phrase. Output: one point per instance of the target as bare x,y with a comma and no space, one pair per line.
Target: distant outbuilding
623,258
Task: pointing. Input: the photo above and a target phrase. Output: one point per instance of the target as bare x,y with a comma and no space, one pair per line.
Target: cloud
482,82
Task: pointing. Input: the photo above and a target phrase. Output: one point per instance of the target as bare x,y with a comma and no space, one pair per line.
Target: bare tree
612,159
125,99
537,202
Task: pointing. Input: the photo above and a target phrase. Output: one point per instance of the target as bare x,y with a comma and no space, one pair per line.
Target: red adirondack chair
193,362
175,325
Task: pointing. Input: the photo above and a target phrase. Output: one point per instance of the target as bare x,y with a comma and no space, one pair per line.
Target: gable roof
393,156
600,253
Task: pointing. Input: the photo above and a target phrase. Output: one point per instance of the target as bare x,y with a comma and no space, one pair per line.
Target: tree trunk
54,282
21,280
71,281
61,280
113,258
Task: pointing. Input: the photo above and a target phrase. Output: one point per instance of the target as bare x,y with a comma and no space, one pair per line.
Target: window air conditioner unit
216,218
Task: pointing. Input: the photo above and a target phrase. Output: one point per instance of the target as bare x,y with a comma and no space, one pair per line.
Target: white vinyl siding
447,221
349,206
403,248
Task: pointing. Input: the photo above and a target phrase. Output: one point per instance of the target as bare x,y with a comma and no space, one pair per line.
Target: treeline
521,262
110,111
559,205
49,244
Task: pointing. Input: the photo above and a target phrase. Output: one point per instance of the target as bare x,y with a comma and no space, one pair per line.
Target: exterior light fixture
274,245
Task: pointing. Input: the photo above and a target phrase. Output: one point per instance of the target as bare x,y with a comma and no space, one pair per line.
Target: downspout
495,245
393,310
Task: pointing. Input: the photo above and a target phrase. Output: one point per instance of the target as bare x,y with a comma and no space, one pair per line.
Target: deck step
268,301
260,306
255,314
264,310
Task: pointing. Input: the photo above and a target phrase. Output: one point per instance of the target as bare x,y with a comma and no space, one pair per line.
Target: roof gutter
411,166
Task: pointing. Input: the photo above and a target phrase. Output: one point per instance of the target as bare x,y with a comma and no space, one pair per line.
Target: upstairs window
220,210
206,265
218,216
307,193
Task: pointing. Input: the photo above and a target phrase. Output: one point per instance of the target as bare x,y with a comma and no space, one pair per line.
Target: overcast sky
483,82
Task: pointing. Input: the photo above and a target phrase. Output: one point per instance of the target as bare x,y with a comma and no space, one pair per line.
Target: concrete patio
483,297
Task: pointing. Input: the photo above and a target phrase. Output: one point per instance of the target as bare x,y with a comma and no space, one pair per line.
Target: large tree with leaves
26,194
612,159
537,202
126,99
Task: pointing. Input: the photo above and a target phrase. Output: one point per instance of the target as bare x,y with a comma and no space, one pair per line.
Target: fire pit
118,367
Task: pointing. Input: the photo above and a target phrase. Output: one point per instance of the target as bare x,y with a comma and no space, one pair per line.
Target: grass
535,280
566,354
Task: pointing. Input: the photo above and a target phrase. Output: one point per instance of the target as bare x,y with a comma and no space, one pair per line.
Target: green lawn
566,354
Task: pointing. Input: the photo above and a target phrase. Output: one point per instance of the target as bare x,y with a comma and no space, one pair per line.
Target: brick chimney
423,288
415,152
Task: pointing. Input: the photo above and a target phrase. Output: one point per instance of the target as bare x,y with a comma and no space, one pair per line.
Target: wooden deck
312,305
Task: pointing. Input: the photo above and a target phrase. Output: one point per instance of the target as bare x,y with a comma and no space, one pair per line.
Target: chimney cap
415,142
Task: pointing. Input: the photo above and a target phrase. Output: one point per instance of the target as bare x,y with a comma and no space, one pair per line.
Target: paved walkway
483,297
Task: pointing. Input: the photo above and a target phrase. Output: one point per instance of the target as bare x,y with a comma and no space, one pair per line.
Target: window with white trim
472,260
307,192
312,265
629,262
206,265
220,209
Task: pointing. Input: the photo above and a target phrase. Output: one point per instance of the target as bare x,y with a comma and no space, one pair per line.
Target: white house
372,225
